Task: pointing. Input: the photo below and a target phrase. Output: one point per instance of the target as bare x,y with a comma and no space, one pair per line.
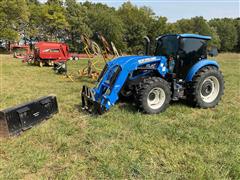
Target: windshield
167,46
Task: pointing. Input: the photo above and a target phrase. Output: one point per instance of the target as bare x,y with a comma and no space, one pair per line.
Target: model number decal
147,60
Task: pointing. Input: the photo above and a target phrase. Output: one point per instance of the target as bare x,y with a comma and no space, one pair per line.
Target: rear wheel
154,95
207,88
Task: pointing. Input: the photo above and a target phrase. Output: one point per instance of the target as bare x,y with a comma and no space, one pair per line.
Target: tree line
58,20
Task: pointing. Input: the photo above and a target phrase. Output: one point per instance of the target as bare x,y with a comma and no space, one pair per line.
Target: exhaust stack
147,41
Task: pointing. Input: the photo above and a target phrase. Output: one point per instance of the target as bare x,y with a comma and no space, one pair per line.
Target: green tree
226,31
157,26
105,20
33,2
139,22
237,25
53,20
198,25
13,19
135,21
35,28
171,28
76,15
66,20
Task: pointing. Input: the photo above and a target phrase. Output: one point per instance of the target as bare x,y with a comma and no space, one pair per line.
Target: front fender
198,66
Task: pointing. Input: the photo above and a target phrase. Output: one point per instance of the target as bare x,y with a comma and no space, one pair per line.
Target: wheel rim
209,89
156,98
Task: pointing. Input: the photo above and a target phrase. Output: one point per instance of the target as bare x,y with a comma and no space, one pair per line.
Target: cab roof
197,36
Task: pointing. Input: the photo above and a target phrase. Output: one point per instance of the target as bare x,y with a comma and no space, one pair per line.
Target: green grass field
181,143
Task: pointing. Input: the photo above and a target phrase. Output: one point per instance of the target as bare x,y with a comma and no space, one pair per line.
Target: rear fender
195,68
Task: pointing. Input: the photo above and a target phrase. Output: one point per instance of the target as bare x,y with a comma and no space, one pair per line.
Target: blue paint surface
198,66
195,36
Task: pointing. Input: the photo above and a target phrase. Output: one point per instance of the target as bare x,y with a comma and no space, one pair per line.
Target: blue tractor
179,69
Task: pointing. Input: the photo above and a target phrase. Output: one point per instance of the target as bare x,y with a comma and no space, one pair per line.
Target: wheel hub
156,98
207,88
152,96
210,89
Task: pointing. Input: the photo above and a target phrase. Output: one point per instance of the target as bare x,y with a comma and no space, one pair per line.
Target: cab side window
192,46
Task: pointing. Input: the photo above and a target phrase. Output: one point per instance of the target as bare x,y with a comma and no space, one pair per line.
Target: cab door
190,52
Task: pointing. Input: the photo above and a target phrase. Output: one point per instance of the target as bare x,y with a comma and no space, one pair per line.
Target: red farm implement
48,53
20,51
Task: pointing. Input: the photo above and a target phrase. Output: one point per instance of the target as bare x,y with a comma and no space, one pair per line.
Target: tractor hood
133,60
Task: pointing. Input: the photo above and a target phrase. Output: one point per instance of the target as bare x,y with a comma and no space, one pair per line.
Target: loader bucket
16,119
89,103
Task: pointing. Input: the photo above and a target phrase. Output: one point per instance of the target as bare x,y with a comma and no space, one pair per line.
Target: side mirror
213,52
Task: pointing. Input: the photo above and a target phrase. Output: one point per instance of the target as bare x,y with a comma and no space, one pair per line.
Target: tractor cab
182,51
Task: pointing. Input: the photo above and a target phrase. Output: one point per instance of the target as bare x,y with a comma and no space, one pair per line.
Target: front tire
154,95
206,88
75,59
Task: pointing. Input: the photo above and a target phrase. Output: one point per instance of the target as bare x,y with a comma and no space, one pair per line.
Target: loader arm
113,77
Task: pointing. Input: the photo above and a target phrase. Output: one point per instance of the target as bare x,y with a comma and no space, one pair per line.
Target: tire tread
141,92
192,91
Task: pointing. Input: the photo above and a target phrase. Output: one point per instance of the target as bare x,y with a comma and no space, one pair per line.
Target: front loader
179,69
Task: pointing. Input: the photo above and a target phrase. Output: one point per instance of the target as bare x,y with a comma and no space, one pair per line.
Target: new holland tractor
179,69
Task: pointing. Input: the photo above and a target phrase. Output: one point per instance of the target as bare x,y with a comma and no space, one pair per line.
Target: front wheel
207,87
154,95
75,58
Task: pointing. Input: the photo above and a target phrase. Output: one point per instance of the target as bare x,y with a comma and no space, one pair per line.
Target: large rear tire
206,88
154,95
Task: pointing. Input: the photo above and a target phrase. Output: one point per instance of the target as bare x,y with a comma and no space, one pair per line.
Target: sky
178,9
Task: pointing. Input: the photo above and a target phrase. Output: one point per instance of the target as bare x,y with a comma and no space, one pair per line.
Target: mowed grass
181,143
